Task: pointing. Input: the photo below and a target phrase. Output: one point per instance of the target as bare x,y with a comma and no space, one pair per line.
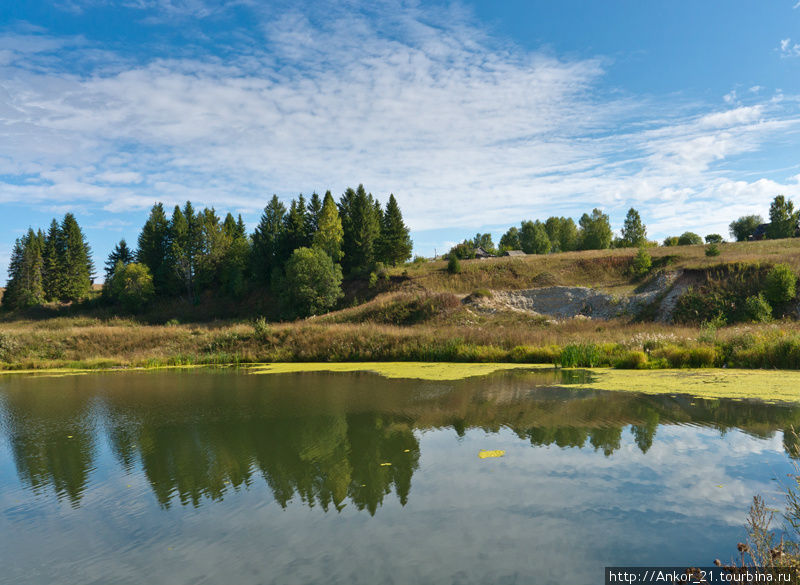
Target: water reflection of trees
319,439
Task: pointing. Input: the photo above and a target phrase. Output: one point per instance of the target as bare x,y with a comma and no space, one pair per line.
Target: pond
221,476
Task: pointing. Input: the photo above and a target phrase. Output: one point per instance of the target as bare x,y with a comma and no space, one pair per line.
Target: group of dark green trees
52,266
784,222
301,252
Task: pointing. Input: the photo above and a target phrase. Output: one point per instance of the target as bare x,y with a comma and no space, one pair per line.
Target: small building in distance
481,253
514,253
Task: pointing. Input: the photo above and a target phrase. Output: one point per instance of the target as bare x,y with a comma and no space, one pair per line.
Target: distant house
481,253
514,253
760,233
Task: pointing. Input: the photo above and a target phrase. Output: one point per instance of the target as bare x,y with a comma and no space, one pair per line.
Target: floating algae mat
410,370
766,385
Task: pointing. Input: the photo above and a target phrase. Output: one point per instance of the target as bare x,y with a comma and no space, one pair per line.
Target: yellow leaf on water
385,464
406,450
719,485
69,436
484,454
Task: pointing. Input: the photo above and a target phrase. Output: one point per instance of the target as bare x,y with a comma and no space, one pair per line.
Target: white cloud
789,49
466,131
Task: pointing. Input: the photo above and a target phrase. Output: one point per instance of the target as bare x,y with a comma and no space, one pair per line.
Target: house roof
514,253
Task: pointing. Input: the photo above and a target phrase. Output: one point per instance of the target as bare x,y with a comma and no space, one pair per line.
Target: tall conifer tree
121,253
52,258
395,240
361,226
329,234
268,240
153,247
77,267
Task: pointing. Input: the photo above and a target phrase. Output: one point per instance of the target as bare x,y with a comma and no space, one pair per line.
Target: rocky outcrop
562,302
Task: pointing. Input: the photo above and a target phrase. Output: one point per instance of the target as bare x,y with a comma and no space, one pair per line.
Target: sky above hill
475,114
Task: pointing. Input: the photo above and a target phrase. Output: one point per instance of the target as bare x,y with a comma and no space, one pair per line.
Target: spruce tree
154,248
296,231
77,267
185,242
361,227
395,240
329,234
120,253
268,241
52,258
236,257
24,287
314,209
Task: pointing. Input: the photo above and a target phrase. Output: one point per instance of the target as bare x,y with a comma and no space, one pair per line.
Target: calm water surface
233,478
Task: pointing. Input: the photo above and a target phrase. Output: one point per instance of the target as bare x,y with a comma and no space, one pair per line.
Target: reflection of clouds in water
534,515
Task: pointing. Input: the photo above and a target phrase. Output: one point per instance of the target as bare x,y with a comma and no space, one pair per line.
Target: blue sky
475,114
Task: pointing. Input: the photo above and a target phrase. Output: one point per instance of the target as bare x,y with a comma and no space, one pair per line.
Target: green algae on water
409,370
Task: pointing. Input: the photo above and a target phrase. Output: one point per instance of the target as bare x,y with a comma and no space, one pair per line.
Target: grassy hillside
417,314
604,269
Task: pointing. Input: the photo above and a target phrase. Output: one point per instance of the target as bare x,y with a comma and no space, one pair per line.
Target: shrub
689,239
714,239
131,285
780,284
454,265
8,347
261,328
642,263
671,241
631,360
482,293
758,309
712,250
420,260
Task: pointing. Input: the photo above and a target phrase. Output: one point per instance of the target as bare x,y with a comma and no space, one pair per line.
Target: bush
313,282
689,239
780,284
714,239
454,265
642,263
712,250
419,260
671,241
484,293
8,347
261,328
758,309
632,360
131,285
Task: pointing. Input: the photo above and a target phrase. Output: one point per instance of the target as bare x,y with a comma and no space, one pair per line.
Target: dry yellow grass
604,269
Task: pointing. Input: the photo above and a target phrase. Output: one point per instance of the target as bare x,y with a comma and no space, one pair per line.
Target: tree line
593,232
560,234
303,252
